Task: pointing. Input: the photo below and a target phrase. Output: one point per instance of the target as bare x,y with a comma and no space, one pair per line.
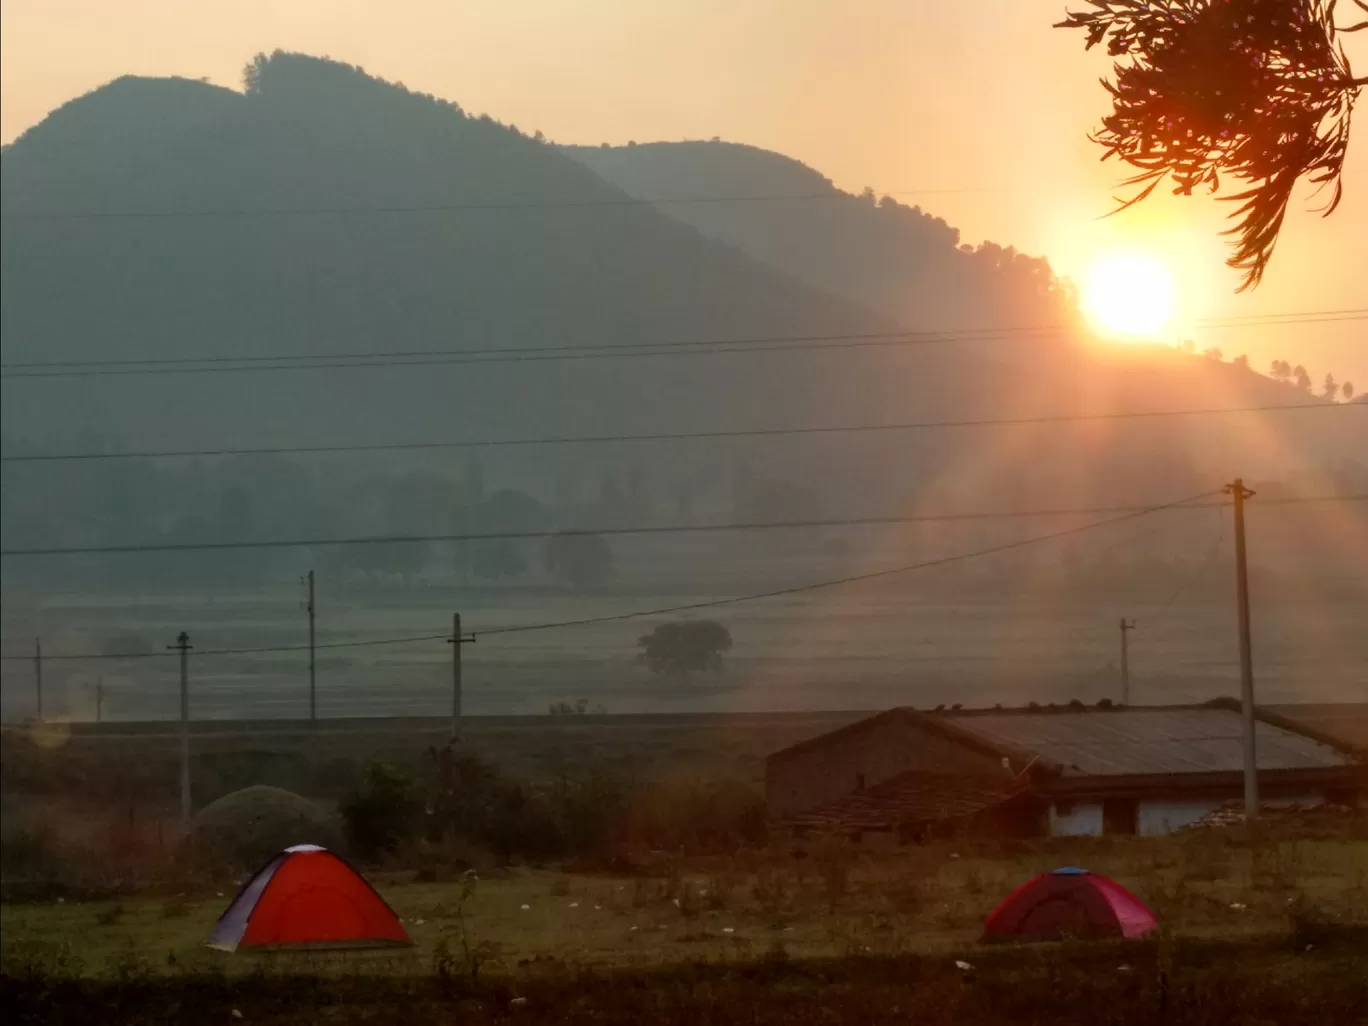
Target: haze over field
426,274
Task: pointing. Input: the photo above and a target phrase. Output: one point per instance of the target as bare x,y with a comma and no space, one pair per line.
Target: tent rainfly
307,898
1069,903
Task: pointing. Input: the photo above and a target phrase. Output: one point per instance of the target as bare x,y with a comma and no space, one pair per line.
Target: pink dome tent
1069,903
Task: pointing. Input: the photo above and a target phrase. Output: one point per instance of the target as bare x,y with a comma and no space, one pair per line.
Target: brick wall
881,748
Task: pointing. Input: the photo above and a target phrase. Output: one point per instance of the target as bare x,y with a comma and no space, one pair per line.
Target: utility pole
313,666
1240,493
1126,627
99,698
38,677
456,641
183,644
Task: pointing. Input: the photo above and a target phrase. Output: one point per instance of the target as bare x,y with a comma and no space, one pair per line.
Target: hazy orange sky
909,97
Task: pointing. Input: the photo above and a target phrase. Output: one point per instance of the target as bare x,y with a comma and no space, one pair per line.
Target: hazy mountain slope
894,258
334,213
911,266
325,212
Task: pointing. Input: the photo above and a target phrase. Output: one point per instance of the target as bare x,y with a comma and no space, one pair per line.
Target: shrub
382,812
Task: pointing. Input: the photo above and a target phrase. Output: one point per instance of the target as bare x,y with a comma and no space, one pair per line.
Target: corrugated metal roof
1128,742
1345,722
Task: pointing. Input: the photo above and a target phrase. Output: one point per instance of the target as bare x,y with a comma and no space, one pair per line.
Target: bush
696,816
382,812
242,830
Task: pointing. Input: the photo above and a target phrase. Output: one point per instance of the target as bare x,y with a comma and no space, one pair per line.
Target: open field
867,648
827,900
1269,930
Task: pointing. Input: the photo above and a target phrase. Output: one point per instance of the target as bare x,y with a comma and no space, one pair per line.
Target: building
1057,771
1340,723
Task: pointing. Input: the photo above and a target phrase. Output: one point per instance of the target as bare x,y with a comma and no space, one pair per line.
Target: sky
976,112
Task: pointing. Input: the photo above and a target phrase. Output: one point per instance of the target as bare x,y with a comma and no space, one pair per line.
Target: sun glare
1129,295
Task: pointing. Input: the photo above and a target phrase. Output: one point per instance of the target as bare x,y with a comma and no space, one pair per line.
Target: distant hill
894,258
324,212
912,266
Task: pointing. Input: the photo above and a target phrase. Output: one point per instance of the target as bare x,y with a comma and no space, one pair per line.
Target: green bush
383,812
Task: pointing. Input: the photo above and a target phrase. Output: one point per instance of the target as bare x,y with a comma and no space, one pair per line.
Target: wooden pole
183,644
1240,493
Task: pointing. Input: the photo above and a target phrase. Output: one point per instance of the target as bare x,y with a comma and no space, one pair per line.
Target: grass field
1253,933
826,901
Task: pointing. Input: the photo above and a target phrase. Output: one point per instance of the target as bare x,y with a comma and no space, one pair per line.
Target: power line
908,333
1195,576
594,351
1189,503
513,205
932,335
440,208
660,436
1243,320
758,525
627,201
84,656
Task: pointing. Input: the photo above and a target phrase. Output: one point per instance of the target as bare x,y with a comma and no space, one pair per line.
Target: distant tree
1281,371
691,646
580,707
1303,378
582,560
496,560
1188,346
1213,353
1347,390
400,559
1258,91
1241,361
1330,389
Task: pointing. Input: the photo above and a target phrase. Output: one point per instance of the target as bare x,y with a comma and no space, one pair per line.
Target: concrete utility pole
183,644
456,641
38,677
313,665
1126,627
1240,493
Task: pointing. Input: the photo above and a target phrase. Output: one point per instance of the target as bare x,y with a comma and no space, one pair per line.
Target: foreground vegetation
1176,983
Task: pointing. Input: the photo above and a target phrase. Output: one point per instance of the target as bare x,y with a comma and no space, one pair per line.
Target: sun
1129,295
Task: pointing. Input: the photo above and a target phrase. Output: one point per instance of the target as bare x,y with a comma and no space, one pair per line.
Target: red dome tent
1069,902
307,897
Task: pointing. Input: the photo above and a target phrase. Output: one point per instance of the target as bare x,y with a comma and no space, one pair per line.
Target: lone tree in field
1256,90
679,649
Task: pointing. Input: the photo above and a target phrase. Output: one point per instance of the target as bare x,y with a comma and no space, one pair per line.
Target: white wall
1081,820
